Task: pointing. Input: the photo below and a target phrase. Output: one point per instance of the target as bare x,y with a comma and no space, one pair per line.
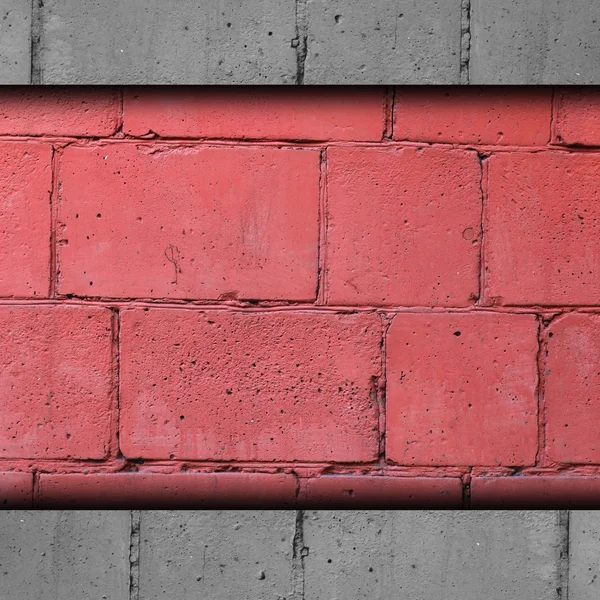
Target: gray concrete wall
299,42
304,555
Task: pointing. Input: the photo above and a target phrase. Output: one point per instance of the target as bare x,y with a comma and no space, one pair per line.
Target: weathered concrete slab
153,41
431,554
584,555
386,42
535,42
220,554
64,554
15,41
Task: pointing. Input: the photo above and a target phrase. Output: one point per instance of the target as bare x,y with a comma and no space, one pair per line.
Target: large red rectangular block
461,389
542,229
364,492
249,386
474,115
578,116
535,492
16,490
403,226
572,390
26,182
56,382
61,111
256,113
198,223
167,491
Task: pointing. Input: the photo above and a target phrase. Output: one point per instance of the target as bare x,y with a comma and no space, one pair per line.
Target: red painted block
543,229
26,182
578,116
474,115
167,491
16,490
403,226
549,492
572,389
256,113
56,385
60,111
249,386
206,223
364,492
461,389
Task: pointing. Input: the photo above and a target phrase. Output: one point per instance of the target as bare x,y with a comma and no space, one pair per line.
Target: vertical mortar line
35,489
466,491
542,354
483,188
299,551
386,323
465,42
564,517
116,362
322,224
388,116
54,169
121,123
134,554
553,115
35,76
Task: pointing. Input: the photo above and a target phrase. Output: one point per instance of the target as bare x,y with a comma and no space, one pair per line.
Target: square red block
572,390
141,221
461,389
578,116
273,113
403,226
25,185
249,386
56,382
542,229
474,115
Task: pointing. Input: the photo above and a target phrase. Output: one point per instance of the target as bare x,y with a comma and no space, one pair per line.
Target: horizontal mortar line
94,141
197,305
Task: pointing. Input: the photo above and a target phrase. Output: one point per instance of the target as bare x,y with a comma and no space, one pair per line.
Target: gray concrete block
216,554
387,42
584,555
64,554
153,41
454,555
15,41
535,42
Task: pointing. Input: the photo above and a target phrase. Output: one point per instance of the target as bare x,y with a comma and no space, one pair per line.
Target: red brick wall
278,297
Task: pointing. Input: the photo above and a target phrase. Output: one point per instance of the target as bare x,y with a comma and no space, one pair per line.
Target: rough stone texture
139,490
25,184
391,212
572,373
351,491
390,42
212,223
59,111
152,41
263,113
227,386
461,389
508,116
15,41
16,490
578,116
451,555
56,384
535,492
534,42
66,554
542,226
216,555
584,555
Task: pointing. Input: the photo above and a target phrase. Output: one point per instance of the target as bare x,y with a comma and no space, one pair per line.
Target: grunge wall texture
242,297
